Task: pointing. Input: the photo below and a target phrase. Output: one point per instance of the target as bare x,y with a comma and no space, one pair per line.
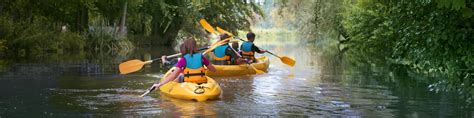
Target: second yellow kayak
242,69
191,91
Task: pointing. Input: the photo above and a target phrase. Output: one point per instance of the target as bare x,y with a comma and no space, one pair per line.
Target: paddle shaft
235,52
148,91
179,54
273,54
259,48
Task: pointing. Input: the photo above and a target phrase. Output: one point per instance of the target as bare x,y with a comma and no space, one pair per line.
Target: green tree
429,37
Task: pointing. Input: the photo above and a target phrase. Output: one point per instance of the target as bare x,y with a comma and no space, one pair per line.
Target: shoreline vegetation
34,28
430,38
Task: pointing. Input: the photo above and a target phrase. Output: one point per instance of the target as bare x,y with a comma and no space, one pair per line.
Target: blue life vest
220,51
247,46
247,50
194,61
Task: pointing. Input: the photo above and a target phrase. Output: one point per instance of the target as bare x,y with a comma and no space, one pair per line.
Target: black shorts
181,78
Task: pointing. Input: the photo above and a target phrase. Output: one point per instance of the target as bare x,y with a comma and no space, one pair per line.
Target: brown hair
224,36
235,45
189,46
251,36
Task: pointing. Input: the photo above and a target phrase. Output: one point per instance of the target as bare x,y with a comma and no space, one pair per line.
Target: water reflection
188,108
321,84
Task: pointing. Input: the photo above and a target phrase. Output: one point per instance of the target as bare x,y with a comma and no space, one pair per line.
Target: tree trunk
85,18
165,30
82,19
122,28
1,9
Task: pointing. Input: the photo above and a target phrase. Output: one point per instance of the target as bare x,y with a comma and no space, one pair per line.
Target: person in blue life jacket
248,48
223,53
190,68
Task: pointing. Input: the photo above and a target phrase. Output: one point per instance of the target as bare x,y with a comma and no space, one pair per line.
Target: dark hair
235,45
250,35
224,36
189,46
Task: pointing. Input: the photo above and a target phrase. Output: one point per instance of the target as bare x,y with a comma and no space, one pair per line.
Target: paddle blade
288,61
131,66
257,71
207,26
222,31
215,45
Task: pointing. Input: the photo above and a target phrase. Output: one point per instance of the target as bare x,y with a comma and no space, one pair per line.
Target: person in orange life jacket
223,53
236,60
248,49
191,66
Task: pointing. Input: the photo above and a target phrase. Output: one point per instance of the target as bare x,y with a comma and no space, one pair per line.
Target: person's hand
248,61
263,51
155,86
163,60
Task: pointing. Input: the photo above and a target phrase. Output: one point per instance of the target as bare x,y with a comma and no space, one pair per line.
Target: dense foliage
428,36
26,25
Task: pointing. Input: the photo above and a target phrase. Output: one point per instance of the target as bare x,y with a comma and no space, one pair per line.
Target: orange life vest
194,70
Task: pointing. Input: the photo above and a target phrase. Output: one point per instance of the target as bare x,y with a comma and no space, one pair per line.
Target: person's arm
181,63
256,49
229,52
168,78
209,66
163,59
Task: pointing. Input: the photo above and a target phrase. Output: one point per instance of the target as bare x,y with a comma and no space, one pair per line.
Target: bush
420,35
106,39
29,39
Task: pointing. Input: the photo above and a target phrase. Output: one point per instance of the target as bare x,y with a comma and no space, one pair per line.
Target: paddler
223,53
248,48
190,68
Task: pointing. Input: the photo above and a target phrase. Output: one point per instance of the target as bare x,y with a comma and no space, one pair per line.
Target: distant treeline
29,27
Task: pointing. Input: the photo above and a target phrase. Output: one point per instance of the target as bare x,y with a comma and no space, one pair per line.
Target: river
319,85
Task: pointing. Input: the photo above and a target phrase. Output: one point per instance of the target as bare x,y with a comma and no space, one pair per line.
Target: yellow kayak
191,91
242,69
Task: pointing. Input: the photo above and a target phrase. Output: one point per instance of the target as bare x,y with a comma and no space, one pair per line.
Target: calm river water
319,85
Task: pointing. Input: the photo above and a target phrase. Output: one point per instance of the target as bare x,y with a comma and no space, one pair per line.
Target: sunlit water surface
318,85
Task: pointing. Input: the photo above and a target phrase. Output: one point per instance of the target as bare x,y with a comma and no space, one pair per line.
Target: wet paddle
135,64
207,26
286,60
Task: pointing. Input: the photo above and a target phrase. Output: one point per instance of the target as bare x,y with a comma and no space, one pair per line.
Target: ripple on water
103,99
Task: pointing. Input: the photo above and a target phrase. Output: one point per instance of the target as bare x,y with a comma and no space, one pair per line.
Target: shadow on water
322,83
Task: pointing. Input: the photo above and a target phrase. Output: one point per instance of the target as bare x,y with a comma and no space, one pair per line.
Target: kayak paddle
207,26
135,64
148,91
